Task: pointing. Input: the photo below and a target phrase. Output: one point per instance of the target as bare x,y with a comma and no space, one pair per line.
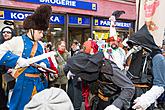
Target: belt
141,85
32,75
101,96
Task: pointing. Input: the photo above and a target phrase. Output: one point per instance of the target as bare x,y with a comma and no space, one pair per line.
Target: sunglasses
6,32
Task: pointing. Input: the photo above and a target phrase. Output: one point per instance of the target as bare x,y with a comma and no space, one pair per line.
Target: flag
150,12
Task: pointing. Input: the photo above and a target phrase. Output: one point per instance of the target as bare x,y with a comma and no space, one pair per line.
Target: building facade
73,19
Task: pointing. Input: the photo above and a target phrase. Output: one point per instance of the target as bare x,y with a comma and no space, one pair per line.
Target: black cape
85,66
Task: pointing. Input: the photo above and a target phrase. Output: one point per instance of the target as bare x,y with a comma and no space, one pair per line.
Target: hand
146,99
126,68
22,62
111,107
52,77
140,104
70,75
9,71
42,64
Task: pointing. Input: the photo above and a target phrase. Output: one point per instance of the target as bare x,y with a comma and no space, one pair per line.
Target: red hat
88,45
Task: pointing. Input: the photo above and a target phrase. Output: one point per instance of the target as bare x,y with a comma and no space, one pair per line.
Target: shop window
55,33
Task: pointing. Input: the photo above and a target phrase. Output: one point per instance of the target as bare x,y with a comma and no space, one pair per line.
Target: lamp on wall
57,29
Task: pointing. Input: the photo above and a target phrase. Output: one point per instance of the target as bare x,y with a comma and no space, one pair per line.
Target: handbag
8,82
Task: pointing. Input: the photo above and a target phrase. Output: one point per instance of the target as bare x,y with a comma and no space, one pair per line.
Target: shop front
69,26
55,31
79,28
71,19
101,28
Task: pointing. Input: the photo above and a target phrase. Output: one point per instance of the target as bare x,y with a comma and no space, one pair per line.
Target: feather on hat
39,20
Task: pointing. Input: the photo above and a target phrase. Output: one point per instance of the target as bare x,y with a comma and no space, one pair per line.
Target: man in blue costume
16,52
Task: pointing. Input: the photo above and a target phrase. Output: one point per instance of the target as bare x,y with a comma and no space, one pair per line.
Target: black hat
39,20
118,13
85,66
144,39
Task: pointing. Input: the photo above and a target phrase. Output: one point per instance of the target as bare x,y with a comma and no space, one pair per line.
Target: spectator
61,59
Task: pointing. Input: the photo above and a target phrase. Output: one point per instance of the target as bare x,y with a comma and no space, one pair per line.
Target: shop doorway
78,33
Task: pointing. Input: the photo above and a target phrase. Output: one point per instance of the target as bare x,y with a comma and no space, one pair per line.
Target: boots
145,100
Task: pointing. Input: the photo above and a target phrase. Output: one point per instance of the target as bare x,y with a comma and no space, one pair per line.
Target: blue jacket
10,51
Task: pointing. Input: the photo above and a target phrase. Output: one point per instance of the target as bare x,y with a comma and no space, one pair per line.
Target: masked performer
144,39
91,66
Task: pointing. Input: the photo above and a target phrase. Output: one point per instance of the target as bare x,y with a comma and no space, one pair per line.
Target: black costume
94,68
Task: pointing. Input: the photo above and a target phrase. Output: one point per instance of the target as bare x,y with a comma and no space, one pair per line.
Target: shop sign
20,16
66,3
79,20
57,19
101,35
1,14
106,22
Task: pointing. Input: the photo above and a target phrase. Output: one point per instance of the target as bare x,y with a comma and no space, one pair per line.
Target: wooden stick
44,68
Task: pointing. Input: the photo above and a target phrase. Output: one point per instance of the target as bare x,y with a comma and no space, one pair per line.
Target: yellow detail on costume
34,91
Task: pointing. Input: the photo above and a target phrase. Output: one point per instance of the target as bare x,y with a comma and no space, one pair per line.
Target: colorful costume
144,39
15,52
91,66
24,85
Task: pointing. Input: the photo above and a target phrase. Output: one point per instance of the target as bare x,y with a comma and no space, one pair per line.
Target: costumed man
6,34
115,90
144,39
116,53
61,59
15,53
149,37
